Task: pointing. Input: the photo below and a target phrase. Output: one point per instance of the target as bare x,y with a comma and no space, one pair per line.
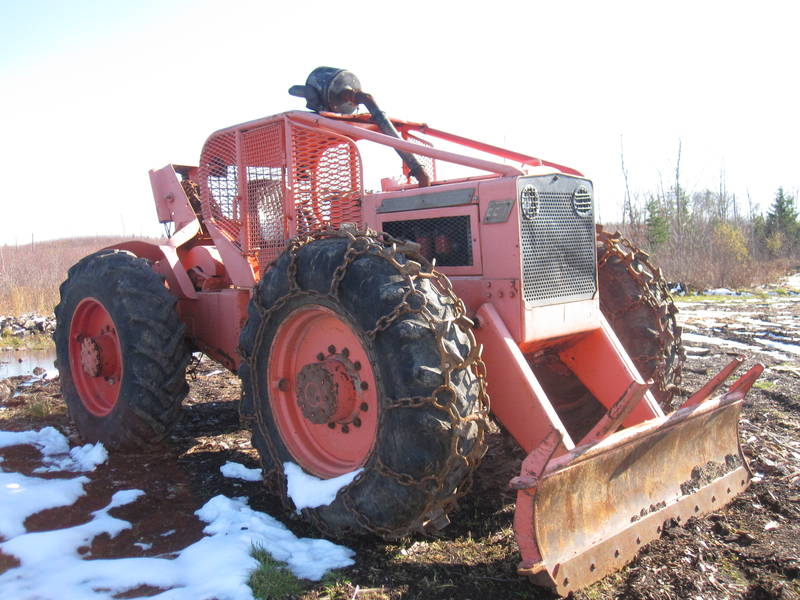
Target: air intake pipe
339,91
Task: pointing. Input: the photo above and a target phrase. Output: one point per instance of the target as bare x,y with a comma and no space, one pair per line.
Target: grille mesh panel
262,154
219,183
326,179
447,239
558,251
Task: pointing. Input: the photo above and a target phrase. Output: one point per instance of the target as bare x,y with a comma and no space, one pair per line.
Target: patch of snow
81,459
48,440
705,339
22,496
215,567
215,372
56,451
793,281
307,491
168,532
791,348
725,292
239,471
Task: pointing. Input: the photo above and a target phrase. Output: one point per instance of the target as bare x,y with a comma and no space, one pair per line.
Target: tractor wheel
120,350
357,356
635,299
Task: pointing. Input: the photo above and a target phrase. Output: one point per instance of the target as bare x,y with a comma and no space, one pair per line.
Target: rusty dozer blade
592,508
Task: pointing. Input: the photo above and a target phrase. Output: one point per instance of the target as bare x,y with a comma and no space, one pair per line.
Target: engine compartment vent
446,239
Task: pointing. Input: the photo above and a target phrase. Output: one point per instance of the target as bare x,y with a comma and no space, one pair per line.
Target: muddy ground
751,549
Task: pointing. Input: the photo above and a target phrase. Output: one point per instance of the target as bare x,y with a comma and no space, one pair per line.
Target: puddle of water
23,362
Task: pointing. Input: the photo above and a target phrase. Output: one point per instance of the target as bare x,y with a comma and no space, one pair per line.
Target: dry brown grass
704,261
30,274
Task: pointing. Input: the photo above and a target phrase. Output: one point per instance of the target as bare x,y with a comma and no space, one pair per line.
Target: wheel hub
90,357
98,355
95,357
323,391
326,392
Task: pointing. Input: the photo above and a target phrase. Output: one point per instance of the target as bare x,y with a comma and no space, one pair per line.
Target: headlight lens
529,200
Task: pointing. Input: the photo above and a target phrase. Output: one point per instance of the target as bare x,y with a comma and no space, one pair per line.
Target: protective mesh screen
428,163
326,179
447,239
558,251
219,183
265,172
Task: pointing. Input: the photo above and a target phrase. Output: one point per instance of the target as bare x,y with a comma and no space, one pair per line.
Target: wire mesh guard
326,179
260,197
446,239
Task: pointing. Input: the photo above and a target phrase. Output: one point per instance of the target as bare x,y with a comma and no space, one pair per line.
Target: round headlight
529,201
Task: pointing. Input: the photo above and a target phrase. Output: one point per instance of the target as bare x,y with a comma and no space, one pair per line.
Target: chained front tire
635,299
354,361
120,351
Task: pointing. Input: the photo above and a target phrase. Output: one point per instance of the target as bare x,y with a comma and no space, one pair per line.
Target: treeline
709,239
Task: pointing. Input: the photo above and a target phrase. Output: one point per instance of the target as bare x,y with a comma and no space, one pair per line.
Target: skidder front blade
593,508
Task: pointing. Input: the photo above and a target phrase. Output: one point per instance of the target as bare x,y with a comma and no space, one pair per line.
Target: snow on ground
239,471
307,491
696,338
725,292
793,282
22,496
56,453
217,566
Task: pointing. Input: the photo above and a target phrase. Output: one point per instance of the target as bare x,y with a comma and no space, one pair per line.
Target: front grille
446,239
558,242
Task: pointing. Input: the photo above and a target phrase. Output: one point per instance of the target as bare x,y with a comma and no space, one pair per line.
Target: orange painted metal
323,392
594,507
518,400
715,383
598,359
213,322
95,356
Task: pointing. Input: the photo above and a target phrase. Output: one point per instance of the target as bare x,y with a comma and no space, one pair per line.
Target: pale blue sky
93,94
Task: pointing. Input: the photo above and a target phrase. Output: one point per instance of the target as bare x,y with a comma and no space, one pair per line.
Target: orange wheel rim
322,392
95,357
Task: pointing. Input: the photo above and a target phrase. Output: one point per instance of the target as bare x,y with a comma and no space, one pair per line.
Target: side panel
214,321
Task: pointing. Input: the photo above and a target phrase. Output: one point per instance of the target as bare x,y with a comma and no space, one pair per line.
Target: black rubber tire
153,347
414,442
648,330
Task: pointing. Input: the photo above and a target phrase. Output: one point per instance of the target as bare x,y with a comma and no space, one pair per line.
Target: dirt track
749,550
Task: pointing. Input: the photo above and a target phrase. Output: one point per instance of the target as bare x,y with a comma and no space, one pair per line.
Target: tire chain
656,295
416,267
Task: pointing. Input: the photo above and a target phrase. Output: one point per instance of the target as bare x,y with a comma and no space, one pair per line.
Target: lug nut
364,407
357,366
320,356
331,425
357,422
283,385
345,428
364,385
331,349
345,352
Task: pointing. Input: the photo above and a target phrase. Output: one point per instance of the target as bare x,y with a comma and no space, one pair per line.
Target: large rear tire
353,359
635,299
120,351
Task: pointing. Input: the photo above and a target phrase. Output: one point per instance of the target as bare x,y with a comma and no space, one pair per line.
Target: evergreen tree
657,224
782,227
